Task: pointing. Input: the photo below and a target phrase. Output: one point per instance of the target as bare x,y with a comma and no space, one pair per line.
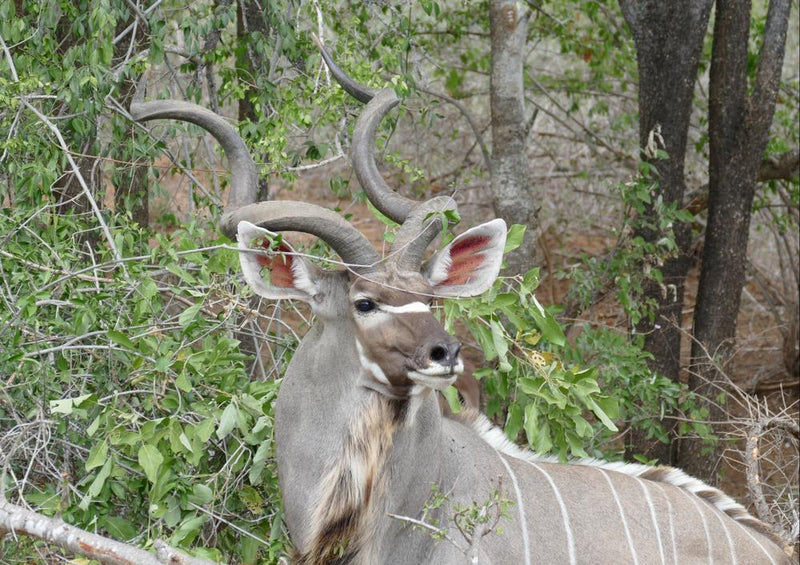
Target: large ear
289,275
469,264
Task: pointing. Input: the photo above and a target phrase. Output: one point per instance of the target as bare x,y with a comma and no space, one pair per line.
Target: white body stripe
685,484
621,515
523,523
705,525
655,520
758,543
734,561
671,524
564,515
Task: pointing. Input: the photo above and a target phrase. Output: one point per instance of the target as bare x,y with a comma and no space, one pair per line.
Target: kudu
361,443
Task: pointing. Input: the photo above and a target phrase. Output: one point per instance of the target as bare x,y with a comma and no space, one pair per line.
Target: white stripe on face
371,366
410,308
383,312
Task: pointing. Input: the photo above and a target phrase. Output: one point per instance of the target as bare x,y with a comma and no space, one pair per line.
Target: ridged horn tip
358,91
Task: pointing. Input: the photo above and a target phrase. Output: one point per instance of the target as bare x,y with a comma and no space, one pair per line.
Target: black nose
445,353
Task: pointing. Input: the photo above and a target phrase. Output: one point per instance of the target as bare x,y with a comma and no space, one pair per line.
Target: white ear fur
470,263
303,273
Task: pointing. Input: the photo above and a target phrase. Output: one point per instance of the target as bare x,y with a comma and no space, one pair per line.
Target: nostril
438,353
445,353
454,349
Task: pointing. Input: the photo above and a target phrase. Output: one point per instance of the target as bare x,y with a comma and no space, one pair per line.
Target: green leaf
541,442
66,405
97,485
184,440
530,386
120,528
250,497
93,427
188,528
531,422
182,273
227,421
582,427
204,429
601,414
201,494
183,383
500,346
547,324
63,406
97,455
451,395
514,421
120,339
259,462
188,315
150,459
514,237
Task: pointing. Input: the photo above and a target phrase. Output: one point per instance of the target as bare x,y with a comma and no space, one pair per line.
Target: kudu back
370,471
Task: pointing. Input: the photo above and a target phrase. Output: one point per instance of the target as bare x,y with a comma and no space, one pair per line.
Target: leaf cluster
533,387
134,386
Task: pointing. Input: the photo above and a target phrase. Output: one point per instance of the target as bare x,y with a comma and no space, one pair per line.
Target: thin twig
85,188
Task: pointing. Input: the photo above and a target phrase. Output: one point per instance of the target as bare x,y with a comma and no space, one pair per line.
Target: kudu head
402,348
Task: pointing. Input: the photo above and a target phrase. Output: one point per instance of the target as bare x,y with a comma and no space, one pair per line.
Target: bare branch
76,170
422,524
752,456
15,520
783,166
487,160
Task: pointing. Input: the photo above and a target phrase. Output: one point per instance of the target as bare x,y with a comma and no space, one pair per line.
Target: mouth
437,377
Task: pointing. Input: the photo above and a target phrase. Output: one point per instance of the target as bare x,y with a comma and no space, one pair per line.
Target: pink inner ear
462,270
279,265
469,245
465,258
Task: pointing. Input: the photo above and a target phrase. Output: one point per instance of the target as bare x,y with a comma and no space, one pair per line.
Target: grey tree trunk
512,194
738,129
253,19
669,41
131,185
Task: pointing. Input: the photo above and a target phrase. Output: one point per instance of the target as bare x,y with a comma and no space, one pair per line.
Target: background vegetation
137,374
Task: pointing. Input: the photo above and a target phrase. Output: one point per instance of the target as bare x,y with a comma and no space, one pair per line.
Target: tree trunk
251,19
669,41
131,185
512,193
738,128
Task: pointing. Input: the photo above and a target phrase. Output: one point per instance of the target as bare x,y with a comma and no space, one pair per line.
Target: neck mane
351,493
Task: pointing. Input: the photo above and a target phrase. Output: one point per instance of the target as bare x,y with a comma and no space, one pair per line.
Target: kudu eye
365,305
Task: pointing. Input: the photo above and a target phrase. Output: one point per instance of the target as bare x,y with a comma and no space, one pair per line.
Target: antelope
370,470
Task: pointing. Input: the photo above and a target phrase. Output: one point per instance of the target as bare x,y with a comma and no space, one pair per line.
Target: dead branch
752,455
784,166
16,520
